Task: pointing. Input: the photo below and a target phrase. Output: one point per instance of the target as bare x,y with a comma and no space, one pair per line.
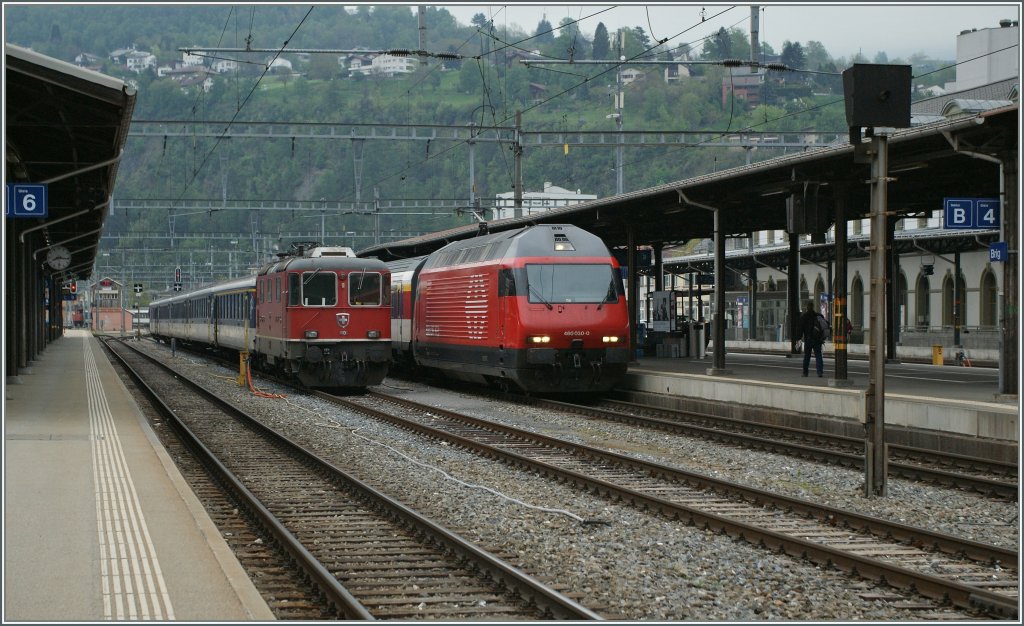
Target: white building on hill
538,201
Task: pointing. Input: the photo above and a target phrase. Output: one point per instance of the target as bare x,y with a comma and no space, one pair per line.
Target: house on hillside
631,75
538,201
280,66
537,92
222,66
359,64
746,83
192,60
675,73
188,77
88,61
390,65
120,55
138,60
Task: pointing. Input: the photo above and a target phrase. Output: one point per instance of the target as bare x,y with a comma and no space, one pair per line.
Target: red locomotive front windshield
572,283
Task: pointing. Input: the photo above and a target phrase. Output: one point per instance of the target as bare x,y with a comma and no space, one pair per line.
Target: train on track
540,309
318,314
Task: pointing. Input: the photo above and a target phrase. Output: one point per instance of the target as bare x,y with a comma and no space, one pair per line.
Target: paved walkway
98,523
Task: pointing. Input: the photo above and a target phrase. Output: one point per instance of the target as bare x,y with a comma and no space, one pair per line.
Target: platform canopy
66,127
926,164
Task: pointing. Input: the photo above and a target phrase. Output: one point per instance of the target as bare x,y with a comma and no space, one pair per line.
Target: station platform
927,402
98,523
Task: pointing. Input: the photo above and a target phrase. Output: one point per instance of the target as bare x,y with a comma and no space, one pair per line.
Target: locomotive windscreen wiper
306,280
541,298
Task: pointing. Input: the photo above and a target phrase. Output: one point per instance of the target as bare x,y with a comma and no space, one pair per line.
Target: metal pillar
839,313
357,164
957,296
472,166
1009,349
633,301
517,152
719,324
890,291
793,291
659,278
876,465
752,279
619,106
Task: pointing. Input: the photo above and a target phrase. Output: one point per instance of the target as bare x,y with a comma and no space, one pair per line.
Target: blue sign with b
969,213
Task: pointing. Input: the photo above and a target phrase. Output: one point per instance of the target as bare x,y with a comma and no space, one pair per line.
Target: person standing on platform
813,337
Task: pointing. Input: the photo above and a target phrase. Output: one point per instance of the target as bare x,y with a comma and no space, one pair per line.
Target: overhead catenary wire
811,109
543,102
242,105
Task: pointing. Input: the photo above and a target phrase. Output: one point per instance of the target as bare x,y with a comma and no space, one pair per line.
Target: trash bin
696,342
936,355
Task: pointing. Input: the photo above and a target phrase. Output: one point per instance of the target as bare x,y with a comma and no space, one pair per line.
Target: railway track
971,576
366,556
992,478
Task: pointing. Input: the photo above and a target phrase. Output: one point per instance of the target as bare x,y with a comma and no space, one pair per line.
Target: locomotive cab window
572,283
364,289
319,288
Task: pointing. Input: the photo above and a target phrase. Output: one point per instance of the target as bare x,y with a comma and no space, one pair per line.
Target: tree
480,21
719,47
602,47
641,35
816,55
793,55
881,58
544,33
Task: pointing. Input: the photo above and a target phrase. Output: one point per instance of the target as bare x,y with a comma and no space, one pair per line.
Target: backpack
820,331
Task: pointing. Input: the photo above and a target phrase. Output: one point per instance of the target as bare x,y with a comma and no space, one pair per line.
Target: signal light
73,286
927,270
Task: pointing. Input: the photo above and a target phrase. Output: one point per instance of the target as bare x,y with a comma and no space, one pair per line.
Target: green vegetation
486,87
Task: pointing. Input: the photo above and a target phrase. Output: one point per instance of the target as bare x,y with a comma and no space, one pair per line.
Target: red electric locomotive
319,314
541,309
323,316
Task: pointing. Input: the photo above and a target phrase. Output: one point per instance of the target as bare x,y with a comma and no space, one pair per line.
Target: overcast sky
900,30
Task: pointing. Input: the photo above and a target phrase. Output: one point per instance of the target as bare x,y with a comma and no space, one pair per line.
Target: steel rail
998,488
544,597
937,588
336,593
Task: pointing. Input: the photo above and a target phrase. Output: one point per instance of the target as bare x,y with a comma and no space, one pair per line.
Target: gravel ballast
623,562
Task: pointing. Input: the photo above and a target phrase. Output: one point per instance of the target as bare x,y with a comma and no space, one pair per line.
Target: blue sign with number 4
971,213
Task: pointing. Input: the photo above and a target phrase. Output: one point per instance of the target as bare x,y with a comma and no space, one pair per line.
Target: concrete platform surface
98,523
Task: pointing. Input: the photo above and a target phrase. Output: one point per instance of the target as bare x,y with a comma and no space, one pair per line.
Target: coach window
277,288
319,288
364,289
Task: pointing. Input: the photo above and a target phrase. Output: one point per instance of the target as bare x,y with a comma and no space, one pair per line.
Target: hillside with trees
473,75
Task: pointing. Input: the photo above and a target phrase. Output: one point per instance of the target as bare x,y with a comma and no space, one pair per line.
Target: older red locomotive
319,314
541,309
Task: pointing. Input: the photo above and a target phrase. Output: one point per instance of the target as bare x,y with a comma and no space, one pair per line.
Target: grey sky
900,30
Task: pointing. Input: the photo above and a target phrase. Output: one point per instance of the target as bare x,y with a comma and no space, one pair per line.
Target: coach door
215,307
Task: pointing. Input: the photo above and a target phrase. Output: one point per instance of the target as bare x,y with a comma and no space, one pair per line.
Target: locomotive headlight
610,339
373,334
538,339
311,334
